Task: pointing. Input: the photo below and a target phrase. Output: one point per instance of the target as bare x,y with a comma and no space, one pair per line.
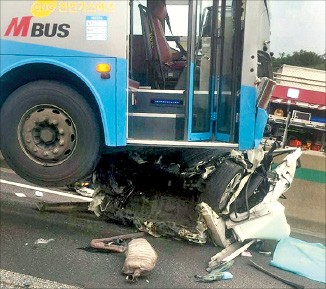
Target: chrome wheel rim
229,190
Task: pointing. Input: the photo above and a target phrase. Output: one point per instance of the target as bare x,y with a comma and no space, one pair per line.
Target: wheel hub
47,135
229,190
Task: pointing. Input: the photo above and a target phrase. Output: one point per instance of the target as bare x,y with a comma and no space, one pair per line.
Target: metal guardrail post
287,123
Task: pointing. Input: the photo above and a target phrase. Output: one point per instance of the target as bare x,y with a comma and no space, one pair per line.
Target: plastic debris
215,224
217,274
211,277
238,252
227,276
140,257
20,195
43,241
246,254
228,254
217,259
302,258
86,192
38,194
85,188
267,253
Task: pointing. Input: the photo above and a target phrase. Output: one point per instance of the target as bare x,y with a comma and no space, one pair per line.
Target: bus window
158,54
201,95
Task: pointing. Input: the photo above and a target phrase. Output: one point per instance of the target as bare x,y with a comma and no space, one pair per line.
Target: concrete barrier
305,203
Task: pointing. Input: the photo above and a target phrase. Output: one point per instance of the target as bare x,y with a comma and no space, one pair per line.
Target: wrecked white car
228,197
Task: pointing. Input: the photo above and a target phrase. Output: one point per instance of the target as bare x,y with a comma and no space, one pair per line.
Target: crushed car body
222,198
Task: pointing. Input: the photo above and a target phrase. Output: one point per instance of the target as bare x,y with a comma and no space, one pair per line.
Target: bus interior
185,61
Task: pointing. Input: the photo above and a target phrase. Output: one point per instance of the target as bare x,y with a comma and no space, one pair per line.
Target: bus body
79,78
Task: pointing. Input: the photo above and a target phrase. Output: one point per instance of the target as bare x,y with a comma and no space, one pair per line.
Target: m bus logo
21,28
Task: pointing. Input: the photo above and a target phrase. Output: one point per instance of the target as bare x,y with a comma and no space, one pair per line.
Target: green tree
300,58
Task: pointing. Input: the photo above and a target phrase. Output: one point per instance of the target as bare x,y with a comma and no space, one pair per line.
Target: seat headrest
159,10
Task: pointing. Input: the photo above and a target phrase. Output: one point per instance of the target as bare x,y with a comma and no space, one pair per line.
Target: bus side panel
121,102
256,14
247,117
75,35
97,27
261,120
104,90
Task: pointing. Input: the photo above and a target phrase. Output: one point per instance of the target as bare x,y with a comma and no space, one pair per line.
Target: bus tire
49,134
218,188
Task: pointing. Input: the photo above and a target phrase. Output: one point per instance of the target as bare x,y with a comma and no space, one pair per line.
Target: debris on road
302,258
215,224
85,189
153,213
298,286
246,254
20,195
228,254
86,192
212,276
216,260
265,247
267,253
114,244
38,194
217,274
43,241
238,252
161,194
140,257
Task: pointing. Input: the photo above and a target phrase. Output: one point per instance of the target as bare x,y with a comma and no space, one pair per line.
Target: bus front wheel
49,134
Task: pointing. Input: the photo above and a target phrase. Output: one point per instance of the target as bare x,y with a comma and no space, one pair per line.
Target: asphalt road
62,260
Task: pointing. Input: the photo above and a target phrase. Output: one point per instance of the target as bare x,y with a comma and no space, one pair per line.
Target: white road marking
9,279
45,190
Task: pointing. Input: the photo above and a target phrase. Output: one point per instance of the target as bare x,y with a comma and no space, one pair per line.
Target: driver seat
164,65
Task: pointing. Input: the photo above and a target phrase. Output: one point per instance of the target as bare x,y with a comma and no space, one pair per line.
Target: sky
297,25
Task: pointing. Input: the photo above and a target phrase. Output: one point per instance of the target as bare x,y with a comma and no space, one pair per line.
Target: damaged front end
221,197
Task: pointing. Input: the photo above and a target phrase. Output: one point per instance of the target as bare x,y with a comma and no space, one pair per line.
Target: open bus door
200,102
181,105
215,76
200,72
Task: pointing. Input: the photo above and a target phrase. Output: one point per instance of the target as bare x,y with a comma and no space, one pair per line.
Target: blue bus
80,79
